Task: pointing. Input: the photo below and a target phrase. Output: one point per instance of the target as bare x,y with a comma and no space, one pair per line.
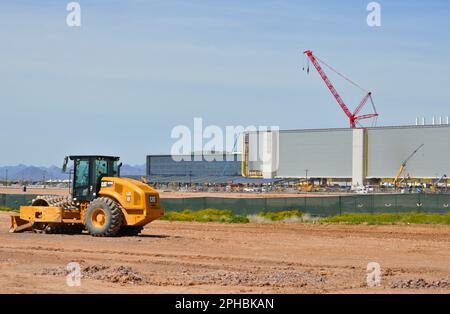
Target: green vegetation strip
384,219
288,215
7,209
226,216
205,215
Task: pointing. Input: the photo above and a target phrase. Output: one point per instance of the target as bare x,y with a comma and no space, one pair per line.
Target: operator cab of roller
88,171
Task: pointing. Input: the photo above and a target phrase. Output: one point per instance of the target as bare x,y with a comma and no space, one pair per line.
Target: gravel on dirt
121,274
421,283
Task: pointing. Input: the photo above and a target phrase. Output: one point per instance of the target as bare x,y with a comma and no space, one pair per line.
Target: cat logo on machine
107,184
128,197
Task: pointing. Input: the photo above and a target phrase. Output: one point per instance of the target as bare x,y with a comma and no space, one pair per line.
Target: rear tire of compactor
103,217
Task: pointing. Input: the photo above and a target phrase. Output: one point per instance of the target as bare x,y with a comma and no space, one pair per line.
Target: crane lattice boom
352,117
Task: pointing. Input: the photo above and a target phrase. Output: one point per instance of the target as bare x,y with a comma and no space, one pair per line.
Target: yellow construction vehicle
306,186
403,166
100,202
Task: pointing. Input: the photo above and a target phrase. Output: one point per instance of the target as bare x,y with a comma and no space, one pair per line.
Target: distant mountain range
35,173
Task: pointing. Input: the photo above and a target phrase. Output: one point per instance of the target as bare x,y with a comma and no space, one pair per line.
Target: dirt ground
184,257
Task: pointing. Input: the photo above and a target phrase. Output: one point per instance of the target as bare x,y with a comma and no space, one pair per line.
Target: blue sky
136,69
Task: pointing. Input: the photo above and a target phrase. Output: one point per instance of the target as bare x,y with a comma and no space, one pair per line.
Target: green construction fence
317,205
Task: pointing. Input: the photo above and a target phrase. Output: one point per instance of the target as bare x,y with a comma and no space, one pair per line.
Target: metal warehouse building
357,154
207,167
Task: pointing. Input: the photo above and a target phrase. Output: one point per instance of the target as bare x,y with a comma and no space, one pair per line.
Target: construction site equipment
306,187
435,186
441,179
353,117
403,165
101,202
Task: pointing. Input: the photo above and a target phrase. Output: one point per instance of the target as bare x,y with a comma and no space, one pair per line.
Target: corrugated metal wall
325,153
222,165
388,147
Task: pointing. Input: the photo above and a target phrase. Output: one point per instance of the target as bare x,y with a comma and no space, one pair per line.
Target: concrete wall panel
388,147
325,153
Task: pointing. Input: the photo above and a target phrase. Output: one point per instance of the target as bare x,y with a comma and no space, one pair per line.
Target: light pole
306,180
6,177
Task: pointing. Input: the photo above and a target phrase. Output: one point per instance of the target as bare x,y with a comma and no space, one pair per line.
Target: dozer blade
19,225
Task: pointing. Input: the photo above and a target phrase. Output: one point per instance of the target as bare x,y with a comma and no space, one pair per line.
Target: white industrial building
348,154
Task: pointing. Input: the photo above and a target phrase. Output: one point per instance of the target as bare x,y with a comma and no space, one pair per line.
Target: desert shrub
205,215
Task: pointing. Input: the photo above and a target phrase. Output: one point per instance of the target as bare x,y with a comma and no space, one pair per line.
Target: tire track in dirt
205,262
175,258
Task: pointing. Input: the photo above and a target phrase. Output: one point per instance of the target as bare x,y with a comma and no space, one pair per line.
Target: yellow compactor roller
100,202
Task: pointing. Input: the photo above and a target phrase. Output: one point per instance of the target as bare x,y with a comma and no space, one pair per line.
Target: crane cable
341,75
374,122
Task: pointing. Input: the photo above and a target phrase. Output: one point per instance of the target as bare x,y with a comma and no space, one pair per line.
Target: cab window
82,178
101,168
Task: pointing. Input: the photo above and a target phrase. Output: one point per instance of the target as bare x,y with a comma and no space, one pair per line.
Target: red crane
352,117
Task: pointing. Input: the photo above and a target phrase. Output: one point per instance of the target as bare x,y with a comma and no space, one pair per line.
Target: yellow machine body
41,213
140,203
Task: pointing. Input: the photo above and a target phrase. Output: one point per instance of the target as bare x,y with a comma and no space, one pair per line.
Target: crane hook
306,60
